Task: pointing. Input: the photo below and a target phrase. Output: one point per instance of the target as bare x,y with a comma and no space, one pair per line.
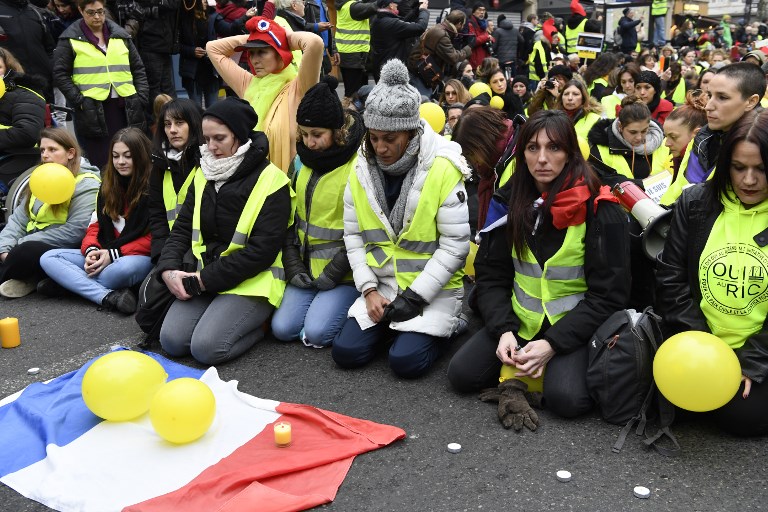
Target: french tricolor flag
55,451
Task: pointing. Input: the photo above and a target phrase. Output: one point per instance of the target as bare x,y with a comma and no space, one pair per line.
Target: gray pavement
496,470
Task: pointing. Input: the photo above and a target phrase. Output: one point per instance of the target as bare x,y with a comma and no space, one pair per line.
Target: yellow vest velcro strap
527,269
422,247
409,265
528,302
565,273
378,254
318,232
564,304
239,238
374,235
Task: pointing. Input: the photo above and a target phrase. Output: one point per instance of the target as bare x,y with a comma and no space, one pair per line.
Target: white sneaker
16,288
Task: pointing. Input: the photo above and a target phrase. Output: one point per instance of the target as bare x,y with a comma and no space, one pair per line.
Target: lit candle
9,332
283,434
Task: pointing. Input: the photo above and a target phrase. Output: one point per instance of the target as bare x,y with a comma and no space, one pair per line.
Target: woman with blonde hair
582,109
454,92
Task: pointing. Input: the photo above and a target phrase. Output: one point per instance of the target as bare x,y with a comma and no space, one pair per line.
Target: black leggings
742,417
354,79
475,366
23,261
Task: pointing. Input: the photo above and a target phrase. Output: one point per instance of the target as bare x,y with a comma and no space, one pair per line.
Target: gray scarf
406,165
653,139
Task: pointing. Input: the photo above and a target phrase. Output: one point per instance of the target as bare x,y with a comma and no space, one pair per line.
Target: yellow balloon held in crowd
120,385
697,371
478,88
497,102
434,115
182,411
52,183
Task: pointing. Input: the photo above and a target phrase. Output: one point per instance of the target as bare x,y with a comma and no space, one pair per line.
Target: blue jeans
65,266
411,355
320,313
659,37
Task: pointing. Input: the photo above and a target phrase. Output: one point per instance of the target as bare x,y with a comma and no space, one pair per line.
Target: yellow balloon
434,115
119,385
182,410
469,266
478,88
697,371
497,102
534,385
52,183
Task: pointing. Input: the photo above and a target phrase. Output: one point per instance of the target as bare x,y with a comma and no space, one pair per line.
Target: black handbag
155,300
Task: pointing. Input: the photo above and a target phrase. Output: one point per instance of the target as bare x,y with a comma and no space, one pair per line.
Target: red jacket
480,51
138,247
662,111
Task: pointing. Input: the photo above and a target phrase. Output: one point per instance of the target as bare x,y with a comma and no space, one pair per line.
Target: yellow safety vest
95,73
585,124
352,36
572,36
320,218
602,81
678,97
47,216
410,251
171,199
659,161
609,104
659,8
681,182
540,52
269,283
553,291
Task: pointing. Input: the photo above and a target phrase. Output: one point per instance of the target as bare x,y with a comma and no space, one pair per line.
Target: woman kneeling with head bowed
406,229
711,275
549,272
234,220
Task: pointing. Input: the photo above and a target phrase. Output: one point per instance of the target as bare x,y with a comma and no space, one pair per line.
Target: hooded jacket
393,38
628,33
507,41
22,109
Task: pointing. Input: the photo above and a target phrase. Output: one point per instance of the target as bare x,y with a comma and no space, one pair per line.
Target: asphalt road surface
497,469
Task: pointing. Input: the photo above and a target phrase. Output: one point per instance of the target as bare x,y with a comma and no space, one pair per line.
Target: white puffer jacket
440,316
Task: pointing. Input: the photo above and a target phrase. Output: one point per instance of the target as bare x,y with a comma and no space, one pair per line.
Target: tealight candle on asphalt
642,492
563,476
9,332
283,434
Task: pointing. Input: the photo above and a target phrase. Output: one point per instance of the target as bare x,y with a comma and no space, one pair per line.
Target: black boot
123,301
51,288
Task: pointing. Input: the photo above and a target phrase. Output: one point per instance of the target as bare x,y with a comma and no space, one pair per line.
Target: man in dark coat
439,41
628,30
507,41
391,37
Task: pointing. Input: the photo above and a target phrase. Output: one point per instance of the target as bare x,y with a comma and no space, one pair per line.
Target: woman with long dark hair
596,75
114,255
625,78
548,274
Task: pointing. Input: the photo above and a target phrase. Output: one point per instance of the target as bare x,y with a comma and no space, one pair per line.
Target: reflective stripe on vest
602,81
269,283
572,36
320,218
95,73
540,52
659,159
171,199
413,249
46,215
553,291
352,36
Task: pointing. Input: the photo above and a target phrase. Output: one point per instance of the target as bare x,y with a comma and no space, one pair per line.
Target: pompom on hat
320,107
393,104
263,33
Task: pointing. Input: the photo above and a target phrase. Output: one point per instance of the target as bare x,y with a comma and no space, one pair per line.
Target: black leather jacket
678,294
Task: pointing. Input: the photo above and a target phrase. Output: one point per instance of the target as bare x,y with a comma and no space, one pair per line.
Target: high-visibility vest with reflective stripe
553,291
269,283
95,73
538,53
659,161
678,97
602,81
352,36
681,182
572,36
320,218
47,216
659,8
411,251
171,199
609,104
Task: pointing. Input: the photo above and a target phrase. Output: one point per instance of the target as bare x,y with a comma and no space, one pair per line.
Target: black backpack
620,377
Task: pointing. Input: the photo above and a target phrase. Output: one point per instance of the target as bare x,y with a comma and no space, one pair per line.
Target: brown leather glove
514,410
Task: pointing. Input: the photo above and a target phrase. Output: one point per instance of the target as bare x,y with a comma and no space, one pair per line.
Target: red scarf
570,206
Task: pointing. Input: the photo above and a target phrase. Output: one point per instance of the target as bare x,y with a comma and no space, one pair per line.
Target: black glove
406,305
301,281
514,409
323,282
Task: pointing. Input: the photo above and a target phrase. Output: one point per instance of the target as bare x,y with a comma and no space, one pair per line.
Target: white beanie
393,104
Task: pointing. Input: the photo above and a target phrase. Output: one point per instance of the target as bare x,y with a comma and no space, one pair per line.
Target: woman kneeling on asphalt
406,229
716,225
548,274
234,220
319,291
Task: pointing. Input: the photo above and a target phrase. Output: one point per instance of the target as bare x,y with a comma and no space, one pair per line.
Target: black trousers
475,366
159,67
354,79
745,417
23,262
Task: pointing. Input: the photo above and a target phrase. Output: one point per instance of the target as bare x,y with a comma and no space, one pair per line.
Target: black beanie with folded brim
237,114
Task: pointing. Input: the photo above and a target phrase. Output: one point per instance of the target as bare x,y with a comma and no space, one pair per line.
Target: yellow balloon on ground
697,371
120,385
469,266
182,411
434,115
497,102
52,183
534,385
478,88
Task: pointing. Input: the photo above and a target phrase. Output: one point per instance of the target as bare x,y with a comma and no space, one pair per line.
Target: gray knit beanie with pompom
393,104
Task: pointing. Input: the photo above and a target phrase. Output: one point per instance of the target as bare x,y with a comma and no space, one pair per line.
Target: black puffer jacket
89,113
23,111
507,39
677,276
159,31
393,38
219,214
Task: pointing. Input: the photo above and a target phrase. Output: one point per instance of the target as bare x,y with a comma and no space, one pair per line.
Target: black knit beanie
560,70
237,114
523,79
321,107
649,77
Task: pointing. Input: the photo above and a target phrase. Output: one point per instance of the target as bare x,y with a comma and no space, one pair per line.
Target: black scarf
136,225
335,156
654,104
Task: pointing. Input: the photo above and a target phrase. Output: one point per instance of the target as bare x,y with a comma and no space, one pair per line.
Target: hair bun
330,81
393,73
630,100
